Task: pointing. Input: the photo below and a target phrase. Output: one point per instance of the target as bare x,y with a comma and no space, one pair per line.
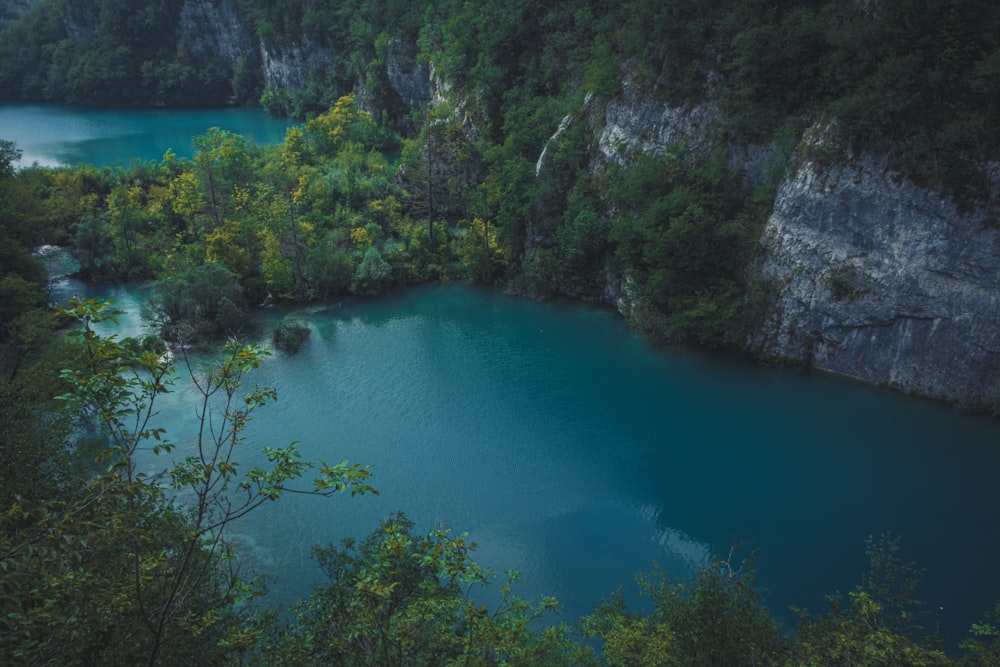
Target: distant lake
573,451
53,134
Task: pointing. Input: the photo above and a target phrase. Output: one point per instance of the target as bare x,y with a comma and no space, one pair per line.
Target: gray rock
868,275
410,78
635,124
289,66
211,29
876,278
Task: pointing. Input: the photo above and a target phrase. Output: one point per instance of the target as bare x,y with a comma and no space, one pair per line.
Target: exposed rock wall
634,124
876,278
215,29
408,76
289,65
867,274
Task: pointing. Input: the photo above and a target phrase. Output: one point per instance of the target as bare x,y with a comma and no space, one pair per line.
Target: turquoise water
52,134
572,451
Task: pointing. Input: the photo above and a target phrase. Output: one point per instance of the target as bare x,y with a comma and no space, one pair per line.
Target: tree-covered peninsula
667,157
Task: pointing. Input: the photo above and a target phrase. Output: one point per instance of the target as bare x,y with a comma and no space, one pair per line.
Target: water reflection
689,553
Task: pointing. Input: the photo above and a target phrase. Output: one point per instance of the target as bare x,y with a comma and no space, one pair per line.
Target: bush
205,303
138,346
289,336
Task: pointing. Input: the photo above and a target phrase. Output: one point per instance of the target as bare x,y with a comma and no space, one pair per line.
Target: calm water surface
572,451
53,135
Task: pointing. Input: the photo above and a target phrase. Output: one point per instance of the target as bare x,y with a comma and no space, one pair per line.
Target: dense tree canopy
913,75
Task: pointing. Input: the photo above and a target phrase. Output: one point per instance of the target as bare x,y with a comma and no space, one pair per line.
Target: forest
100,565
914,80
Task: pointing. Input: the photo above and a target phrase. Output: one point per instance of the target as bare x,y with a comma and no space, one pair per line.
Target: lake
52,134
576,453
568,447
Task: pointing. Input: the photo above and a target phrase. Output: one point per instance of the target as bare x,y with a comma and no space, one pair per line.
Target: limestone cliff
215,29
634,123
882,280
289,66
412,79
867,274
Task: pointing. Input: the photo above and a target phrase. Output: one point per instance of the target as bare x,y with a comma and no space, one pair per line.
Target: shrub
289,336
204,303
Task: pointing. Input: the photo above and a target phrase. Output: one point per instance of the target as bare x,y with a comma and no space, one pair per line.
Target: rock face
878,279
634,124
289,66
215,29
866,273
410,78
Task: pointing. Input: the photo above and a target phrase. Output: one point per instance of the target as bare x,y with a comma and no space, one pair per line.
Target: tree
879,625
344,123
10,155
442,170
329,269
236,247
372,271
278,269
130,224
91,244
631,639
399,598
204,303
479,251
126,573
685,230
35,430
186,201
290,335
223,160
22,216
983,647
716,618
23,323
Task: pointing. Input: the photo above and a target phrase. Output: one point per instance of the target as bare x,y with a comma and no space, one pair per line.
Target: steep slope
862,272
877,278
